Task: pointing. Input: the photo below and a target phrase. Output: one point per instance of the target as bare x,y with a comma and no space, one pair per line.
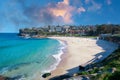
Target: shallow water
20,56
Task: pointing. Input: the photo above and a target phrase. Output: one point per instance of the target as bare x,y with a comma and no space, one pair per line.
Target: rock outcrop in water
4,78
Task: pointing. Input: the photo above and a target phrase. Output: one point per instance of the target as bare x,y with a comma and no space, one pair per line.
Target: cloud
38,14
33,14
93,5
81,9
65,11
109,2
77,3
61,12
108,22
87,1
65,2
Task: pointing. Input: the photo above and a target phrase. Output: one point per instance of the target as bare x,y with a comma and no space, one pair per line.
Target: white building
52,29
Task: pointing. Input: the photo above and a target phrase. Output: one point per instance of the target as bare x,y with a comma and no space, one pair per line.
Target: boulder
81,68
46,75
2,78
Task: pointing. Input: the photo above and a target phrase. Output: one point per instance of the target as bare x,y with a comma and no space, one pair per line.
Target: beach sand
81,51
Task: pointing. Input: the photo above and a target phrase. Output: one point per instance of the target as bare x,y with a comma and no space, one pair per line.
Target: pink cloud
65,11
66,2
61,12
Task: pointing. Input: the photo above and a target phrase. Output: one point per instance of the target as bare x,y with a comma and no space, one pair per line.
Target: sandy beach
81,51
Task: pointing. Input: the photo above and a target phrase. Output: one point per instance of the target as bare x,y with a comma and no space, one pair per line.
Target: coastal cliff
34,33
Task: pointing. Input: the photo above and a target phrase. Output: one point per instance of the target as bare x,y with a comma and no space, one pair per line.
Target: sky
16,14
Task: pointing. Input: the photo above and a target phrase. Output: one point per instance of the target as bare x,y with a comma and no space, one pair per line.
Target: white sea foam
57,57
4,70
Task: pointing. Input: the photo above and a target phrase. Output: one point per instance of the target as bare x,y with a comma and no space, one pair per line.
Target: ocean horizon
25,57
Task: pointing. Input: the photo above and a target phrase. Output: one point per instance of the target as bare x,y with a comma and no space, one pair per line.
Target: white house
52,29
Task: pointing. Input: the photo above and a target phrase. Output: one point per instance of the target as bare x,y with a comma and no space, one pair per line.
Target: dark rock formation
46,75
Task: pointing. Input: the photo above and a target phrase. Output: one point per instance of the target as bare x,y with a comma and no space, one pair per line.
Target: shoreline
69,61
58,57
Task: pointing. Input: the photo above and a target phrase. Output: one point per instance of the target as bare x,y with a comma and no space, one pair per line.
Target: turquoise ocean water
24,57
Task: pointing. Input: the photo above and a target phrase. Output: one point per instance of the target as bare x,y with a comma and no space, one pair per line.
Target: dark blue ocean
28,57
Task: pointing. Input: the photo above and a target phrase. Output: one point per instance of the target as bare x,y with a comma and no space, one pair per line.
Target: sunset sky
15,14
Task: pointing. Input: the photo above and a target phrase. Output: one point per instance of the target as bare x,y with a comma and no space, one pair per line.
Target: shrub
115,76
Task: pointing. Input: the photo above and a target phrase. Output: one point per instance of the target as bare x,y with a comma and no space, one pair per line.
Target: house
59,29
82,32
52,29
66,28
